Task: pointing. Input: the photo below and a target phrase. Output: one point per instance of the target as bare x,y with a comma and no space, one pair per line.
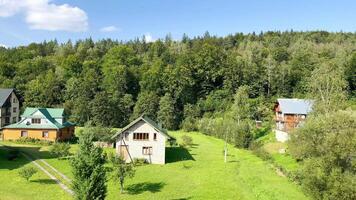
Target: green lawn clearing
199,172
12,186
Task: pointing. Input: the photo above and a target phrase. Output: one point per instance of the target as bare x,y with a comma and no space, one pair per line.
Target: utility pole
225,149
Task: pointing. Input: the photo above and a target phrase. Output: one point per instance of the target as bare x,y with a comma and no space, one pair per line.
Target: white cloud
148,38
10,7
44,15
109,29
3,45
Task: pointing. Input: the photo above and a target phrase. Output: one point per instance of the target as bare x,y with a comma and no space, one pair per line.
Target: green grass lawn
12,186
199,173
272,147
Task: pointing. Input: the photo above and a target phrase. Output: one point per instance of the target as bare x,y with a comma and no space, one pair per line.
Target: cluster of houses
142,138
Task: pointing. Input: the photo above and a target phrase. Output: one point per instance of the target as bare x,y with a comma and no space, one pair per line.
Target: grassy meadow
198,172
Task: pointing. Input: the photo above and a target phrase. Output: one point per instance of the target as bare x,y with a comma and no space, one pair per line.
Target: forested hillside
109,82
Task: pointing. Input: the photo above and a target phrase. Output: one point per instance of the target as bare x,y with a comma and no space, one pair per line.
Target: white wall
135,146
14,105
281,136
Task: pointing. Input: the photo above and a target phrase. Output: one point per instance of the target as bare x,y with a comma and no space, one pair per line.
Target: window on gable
35,121
14,100
147,150
140,136
155,136
14,109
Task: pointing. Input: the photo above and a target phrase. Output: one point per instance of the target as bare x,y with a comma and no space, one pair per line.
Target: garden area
197,167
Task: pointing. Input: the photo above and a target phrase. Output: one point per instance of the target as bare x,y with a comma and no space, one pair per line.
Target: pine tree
88,170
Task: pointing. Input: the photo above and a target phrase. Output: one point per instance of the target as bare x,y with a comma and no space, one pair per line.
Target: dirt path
54,169
63,186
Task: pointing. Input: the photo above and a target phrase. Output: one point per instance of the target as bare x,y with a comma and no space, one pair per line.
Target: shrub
187,140
140,161
27,172
28,140
60,149
13,154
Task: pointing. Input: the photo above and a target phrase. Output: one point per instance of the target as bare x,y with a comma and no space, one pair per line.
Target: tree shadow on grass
183,198
176,154
44,181
145,186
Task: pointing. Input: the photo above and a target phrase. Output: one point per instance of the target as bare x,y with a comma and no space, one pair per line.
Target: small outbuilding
142,139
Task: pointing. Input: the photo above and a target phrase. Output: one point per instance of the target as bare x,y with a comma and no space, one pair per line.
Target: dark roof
4,94
148,121
295,106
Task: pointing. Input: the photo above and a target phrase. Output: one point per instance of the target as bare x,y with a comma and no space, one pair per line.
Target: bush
140,161
27,172
60,149
187,141
28,140
13,154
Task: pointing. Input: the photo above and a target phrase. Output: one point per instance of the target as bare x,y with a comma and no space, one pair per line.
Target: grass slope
200,173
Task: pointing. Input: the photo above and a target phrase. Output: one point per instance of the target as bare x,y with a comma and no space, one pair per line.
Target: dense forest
217,85
110,82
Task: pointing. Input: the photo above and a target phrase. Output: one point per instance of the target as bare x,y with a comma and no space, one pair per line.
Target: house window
45,134
14,100
24,134
14,109
14,120
126,136
147,150
140,136
7,120
35,121
155,136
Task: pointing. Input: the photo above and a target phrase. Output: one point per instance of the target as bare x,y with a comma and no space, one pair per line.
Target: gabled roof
295,106
4,94
46,113
148,121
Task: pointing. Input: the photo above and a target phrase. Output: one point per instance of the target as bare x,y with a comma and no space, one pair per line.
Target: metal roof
148,121
295,106
4,94
46,113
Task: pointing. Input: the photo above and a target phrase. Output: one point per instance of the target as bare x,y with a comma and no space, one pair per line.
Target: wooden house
40,123
290,114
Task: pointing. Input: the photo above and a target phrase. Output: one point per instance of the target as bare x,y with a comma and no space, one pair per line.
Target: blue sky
25,21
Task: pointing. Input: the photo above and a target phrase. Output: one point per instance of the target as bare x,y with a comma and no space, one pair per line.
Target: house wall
135,146
287,122
13,134
66,133
14,104
7,111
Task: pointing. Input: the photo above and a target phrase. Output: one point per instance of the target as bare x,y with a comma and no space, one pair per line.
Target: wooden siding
53,135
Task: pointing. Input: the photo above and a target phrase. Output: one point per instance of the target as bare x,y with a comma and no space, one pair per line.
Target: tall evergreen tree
89,182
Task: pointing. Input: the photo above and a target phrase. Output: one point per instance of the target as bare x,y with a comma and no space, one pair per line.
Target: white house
142,139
